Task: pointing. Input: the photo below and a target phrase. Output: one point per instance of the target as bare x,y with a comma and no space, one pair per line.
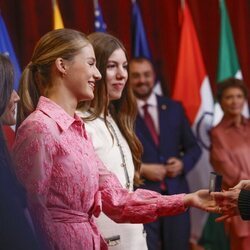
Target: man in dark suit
170,151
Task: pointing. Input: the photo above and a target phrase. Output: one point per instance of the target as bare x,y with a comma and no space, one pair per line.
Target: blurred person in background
230,147
15,224
170,151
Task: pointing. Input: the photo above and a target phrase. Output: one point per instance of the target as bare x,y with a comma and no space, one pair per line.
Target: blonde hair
124,110
36,77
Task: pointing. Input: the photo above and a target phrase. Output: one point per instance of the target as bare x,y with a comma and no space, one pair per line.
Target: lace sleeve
141,206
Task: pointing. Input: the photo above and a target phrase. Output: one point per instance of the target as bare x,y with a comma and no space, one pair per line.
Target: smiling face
232,101
141,78
9,115
116,74
81,74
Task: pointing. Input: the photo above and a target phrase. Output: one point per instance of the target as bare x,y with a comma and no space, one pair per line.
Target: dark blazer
15,230
176,140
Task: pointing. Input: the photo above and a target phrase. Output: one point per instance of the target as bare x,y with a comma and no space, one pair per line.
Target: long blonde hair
123,110
36,77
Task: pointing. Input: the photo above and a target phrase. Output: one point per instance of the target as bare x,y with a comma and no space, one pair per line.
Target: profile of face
116,74
9,115
81,74
232,101
141,78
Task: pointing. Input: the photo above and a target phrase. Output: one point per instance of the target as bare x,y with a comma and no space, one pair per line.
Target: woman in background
15,228
110,123
230,151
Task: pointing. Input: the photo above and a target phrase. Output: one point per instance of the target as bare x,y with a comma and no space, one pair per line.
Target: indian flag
193,89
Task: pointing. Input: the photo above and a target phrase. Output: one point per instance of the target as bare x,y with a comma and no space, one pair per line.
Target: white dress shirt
152,109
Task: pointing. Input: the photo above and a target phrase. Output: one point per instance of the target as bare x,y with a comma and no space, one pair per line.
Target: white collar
151,101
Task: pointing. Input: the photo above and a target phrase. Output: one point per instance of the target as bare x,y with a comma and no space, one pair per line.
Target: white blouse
132,236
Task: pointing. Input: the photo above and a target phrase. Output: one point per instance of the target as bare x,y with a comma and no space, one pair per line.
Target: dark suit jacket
176,140
15,230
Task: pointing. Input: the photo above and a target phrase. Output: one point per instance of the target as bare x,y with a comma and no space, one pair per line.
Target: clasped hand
227,201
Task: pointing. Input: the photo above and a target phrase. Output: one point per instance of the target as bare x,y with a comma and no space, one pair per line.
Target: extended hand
227,203
200,199
243,184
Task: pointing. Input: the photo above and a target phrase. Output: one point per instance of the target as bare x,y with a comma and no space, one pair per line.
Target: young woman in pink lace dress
66,182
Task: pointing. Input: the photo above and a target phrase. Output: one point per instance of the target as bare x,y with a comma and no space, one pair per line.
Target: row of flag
192,85
192,88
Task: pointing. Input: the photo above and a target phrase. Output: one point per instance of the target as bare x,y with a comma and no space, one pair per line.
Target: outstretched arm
144,206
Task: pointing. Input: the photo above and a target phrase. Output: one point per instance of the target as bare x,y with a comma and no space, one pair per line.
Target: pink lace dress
67,184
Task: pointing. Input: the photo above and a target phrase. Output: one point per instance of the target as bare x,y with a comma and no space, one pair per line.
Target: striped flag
228,65
193,89
100,25
57,17
214,236
7,48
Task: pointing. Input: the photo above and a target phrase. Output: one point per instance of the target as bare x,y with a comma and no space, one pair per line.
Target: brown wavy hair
6,81
124,110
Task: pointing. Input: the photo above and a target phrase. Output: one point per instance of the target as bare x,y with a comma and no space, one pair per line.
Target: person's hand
227,203
243,184
174,167
153,172
200,199
195,246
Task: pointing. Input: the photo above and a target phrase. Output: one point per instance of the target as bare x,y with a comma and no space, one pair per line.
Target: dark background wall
28,20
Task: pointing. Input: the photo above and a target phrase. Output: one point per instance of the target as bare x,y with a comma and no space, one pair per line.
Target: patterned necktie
150,124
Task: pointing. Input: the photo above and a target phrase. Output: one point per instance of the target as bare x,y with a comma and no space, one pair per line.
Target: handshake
235,201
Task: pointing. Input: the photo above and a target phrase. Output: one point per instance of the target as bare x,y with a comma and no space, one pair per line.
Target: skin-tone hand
153,172
243,184
195,246
200,199
226,203
174,167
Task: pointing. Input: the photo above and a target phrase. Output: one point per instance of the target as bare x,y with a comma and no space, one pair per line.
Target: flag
7,49
228,65
100,25
140,47
214,236
58,22
193,89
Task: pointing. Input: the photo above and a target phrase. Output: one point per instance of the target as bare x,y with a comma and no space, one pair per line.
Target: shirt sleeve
141,206
33,158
